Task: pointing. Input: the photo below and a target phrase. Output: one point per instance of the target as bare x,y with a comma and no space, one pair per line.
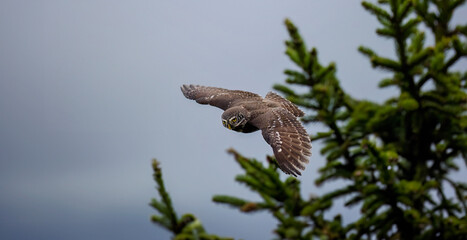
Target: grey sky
89,93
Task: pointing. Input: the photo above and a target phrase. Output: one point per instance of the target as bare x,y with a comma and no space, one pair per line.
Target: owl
274,115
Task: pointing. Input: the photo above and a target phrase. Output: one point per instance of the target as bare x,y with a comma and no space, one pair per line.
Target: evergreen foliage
397,157
188,227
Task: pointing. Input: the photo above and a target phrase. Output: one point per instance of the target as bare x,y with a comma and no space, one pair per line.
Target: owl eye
234,120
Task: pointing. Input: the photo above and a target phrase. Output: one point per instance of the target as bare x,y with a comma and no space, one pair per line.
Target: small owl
275,116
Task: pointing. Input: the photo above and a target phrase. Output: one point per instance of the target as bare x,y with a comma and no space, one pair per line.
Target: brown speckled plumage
275,116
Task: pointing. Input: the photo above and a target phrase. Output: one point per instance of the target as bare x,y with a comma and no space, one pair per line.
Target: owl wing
289,140
289,106
218,97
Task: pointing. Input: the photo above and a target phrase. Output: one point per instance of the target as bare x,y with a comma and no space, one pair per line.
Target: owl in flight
275,116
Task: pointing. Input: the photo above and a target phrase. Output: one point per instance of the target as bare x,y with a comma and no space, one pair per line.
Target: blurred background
89,94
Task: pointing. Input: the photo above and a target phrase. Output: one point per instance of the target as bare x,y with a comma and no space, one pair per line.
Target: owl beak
229,126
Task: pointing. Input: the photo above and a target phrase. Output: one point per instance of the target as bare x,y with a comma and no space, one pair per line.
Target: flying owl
275,116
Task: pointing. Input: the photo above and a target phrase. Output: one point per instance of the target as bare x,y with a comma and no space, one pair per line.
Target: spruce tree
397,156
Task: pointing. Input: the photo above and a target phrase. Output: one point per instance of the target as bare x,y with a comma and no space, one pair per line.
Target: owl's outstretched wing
289,106
288,139
219,97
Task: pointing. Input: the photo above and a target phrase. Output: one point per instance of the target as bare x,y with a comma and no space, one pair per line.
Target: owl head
235,118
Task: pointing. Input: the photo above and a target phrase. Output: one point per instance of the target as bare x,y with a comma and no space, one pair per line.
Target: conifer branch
188,227
169,217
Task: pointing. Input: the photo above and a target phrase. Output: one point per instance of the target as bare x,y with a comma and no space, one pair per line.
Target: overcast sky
89,94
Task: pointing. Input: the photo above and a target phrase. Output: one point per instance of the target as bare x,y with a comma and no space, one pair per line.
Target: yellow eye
233,120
